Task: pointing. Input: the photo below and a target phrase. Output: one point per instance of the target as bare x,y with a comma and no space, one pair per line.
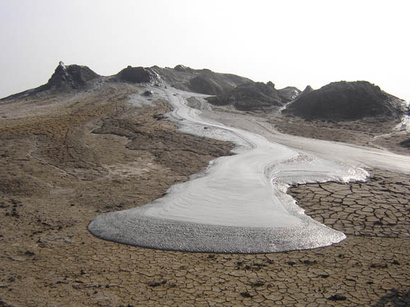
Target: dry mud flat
60,167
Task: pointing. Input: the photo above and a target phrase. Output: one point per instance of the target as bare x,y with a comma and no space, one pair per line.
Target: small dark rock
337,297
259,283
159,116
405,143
309,262
246,294
378,266
148,93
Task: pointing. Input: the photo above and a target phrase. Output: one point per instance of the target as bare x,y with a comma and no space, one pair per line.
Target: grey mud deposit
184,236
239,206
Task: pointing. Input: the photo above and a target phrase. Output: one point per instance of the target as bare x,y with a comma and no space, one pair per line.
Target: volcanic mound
256,96
345,101
136,75
64,79
71,76
202,81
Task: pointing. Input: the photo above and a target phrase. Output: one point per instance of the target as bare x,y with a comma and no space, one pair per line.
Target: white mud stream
239,204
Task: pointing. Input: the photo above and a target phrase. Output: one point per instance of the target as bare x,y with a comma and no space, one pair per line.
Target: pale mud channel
239,204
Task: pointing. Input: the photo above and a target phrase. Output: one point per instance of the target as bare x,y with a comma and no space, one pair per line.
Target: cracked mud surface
62,165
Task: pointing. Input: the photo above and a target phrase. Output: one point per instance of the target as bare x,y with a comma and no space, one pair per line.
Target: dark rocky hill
202,81
242,93
64,78
289,93
205,81
71,76
256,96
136,75
345,101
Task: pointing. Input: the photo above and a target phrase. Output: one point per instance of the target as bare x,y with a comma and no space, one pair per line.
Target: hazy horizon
292,43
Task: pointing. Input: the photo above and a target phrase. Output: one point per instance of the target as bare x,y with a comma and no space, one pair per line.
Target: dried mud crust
55,177
377,208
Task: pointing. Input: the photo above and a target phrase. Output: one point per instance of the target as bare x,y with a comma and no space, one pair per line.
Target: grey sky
288,42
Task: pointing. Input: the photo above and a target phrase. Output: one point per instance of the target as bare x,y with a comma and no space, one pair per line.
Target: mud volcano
345,101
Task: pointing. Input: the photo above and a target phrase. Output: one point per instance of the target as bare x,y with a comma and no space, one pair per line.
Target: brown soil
64,160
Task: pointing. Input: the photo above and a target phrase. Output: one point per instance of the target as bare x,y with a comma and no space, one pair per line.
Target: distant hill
256,96
228,89
64,78
202,81
335,101
136,75
345,101
71,76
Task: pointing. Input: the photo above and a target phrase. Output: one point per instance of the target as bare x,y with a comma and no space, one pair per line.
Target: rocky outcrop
345,101
211,83
205,85
202,81
289,93
405,143
64,79
243,93
183,68
255,96
72,76
136,75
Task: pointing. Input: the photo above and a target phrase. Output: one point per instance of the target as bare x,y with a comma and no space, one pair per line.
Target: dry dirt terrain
375,132
67,158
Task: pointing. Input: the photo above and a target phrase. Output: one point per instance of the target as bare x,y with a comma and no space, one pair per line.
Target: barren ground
371,132
64,160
